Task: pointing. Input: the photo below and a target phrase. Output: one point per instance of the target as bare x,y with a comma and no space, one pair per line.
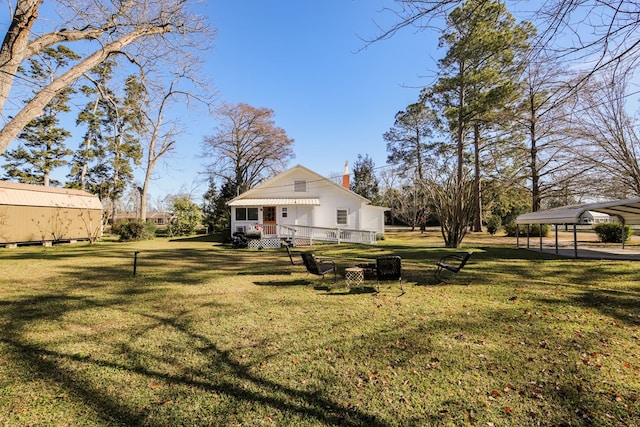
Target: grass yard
208,335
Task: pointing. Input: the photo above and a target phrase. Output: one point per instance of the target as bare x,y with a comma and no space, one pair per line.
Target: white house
301,205
593,217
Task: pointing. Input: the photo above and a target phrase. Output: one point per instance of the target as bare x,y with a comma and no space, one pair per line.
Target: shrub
136,230
187,217
611,232
493,224
534,230
116,227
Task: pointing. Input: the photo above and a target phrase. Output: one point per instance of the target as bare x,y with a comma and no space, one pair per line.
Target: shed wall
23,224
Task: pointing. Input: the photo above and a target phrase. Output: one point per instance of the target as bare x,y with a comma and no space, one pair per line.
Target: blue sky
304,60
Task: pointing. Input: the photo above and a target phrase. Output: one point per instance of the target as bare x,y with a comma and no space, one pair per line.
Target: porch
271,235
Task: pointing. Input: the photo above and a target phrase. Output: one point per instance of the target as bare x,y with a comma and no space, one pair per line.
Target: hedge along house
300,206
37,214
628,212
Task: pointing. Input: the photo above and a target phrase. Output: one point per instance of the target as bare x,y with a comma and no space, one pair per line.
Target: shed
627,210
38,214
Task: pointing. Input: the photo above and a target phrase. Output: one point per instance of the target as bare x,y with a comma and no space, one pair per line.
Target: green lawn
208,335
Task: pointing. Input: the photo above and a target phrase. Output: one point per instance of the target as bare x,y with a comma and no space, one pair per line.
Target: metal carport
628,211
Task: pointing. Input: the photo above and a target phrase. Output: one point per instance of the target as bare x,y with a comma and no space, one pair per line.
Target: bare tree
105,28
161,132
247,146
452,202
606,136
594,33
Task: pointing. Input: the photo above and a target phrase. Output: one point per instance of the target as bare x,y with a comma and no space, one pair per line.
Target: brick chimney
345,176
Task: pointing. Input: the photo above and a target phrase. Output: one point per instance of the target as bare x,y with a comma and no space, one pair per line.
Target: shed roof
628,210
15,194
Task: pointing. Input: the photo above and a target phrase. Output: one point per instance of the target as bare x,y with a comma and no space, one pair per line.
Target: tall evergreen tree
214,206
365,182
42,146
408,141
480,77
122,125
87,170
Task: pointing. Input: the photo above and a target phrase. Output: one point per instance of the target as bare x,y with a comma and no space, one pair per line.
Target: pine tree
365,182
480,79
87,169
42,147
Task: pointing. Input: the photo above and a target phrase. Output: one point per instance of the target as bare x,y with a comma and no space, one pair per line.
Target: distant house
38,214
158,218
593,217
301,205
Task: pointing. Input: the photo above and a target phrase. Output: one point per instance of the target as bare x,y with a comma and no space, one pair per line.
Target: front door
269,219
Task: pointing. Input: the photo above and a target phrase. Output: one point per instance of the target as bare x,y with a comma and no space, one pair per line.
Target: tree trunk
15,44
477,223
535,176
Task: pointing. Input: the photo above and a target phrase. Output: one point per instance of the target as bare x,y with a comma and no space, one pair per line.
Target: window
241,214
252,214
341,216
300,186
246,214
284,212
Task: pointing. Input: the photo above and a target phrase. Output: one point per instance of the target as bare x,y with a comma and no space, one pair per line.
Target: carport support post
540,233
575,241
556,227
622,231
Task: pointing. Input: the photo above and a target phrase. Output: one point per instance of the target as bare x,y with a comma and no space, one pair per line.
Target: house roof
15,194
255,191
628,210
274,202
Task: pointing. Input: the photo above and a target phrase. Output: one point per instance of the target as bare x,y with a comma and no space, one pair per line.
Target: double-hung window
246,214
342,216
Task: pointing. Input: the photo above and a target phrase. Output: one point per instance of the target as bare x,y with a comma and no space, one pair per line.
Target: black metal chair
452,263
319,266
293,255
389,268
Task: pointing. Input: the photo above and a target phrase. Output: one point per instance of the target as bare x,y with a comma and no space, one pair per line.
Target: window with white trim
246,214
300,186
342,216
284,212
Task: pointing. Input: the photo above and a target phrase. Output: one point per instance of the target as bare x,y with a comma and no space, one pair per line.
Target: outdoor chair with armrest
452,262
294,256
389,268
319,266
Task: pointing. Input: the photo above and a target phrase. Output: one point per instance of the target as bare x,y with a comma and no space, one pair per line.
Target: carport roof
628,210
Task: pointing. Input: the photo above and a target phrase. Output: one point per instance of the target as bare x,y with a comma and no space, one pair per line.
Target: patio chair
452,262
319,266
294,256
389,268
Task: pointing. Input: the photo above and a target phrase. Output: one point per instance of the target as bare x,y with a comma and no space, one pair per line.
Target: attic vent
300,186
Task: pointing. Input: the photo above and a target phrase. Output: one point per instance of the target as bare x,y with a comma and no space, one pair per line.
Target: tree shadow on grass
282,283
233,379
